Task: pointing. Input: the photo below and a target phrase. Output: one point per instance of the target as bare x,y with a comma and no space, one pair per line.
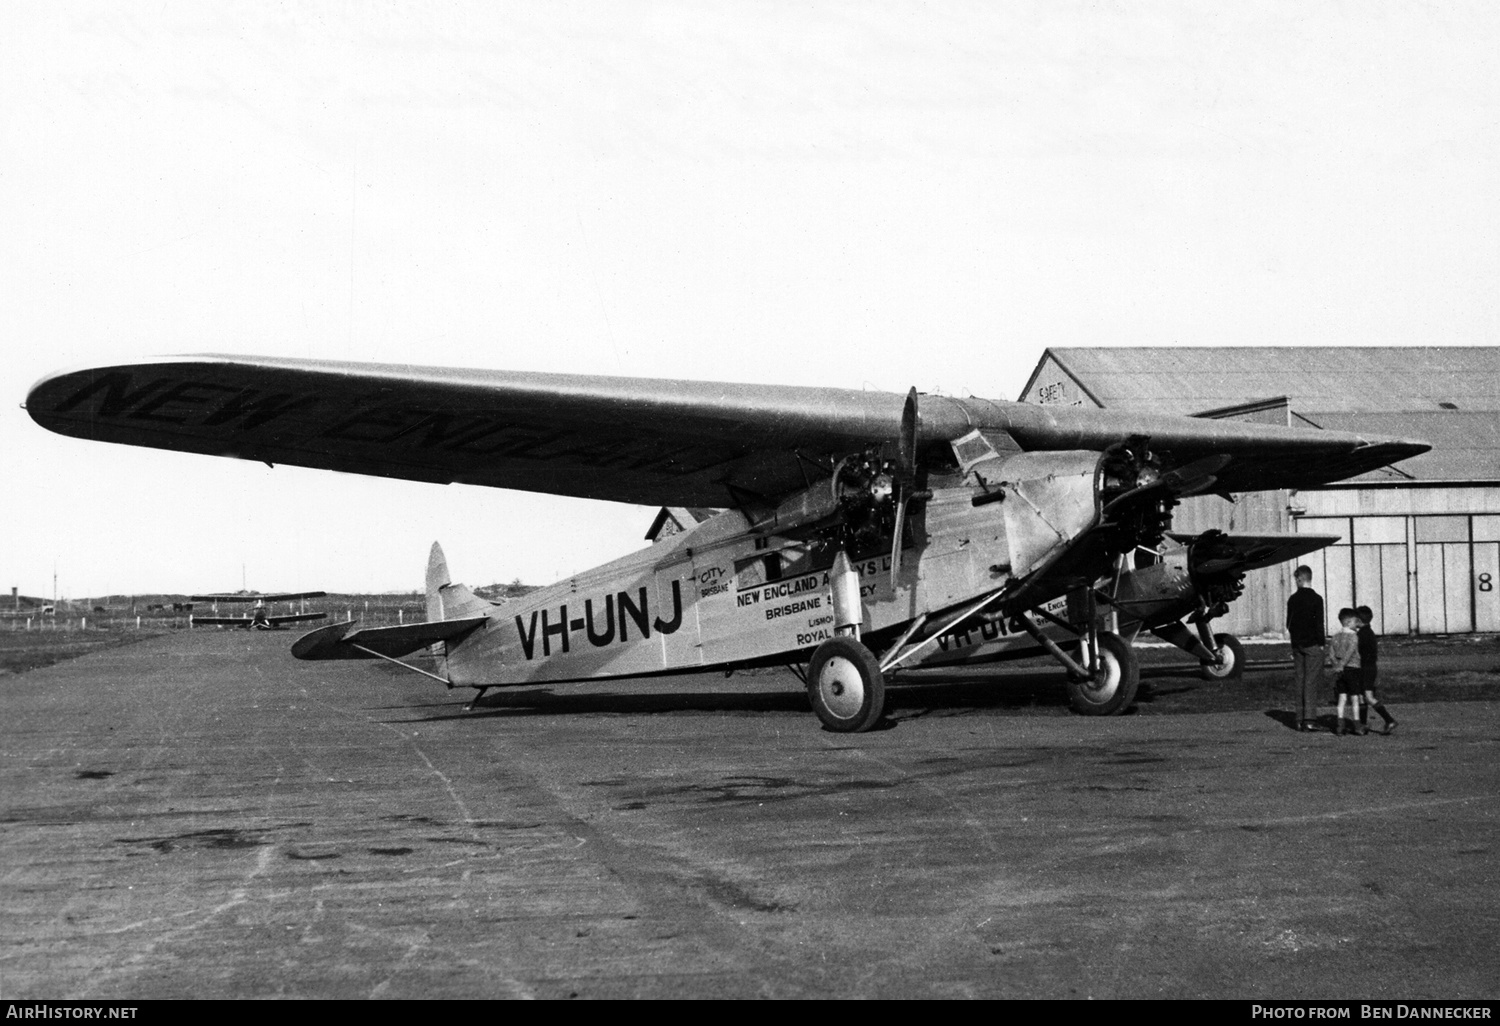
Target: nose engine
1135,498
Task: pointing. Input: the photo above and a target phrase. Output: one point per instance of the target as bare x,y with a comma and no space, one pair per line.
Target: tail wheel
1112,688
1233,655
845,685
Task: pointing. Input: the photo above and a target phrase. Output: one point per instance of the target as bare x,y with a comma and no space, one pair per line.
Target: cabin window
757,570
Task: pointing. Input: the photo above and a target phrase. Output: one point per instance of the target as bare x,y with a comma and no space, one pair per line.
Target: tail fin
437,579
448,602
445,600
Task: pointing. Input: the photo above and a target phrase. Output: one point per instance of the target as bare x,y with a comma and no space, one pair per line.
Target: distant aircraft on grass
860,532
260,618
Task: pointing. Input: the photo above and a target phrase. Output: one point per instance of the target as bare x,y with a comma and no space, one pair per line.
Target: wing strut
405,666
1068,662
895,657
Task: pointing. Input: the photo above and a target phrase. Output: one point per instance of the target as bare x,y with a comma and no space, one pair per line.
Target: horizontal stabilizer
345,641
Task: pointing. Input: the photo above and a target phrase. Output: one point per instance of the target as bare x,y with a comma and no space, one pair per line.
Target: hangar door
1419,574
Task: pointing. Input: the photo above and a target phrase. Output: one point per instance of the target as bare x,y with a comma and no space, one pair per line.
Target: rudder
446,600
437,579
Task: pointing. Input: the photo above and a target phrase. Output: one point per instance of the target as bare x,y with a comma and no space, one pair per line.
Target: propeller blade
1192,478
906,475
1195,487
896,535
906,445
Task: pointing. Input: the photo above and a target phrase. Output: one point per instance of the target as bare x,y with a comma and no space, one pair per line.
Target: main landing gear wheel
845,685
1112,688
1233,654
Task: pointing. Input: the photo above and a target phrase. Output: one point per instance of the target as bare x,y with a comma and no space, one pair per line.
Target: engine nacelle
1186,578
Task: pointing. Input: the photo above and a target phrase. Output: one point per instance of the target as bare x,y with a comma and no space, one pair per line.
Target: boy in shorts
1343,659
1368,653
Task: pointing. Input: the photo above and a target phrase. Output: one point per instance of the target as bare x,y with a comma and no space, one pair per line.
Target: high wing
282,597
647,441
1241,553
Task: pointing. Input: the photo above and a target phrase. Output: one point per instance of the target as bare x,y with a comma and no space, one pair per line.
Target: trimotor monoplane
260,618
861,533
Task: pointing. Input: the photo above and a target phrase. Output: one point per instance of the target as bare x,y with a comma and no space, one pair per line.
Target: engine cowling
1198,578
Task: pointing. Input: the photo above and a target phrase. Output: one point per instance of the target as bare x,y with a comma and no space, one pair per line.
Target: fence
372,614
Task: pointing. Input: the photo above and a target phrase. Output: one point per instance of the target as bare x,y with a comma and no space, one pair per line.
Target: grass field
27,650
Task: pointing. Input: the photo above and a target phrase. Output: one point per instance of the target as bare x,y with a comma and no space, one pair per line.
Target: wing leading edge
638,440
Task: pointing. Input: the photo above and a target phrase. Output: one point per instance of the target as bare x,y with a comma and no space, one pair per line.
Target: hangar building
1418,542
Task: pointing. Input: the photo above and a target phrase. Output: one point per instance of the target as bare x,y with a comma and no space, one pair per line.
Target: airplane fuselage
722,594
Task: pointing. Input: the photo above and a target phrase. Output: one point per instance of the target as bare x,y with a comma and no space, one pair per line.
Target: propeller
1196,477
1190,479
906,476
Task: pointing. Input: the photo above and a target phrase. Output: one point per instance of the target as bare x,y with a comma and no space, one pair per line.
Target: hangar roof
1465,446
1448,396
1191,379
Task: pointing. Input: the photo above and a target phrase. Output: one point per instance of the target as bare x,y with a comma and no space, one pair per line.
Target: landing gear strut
1221,656
1231,662
1110,689
1103,680
845,685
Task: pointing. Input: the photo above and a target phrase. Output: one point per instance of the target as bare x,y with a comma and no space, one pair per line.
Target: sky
841,194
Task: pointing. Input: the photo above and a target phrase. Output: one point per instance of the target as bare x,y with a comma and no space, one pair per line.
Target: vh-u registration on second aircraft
854,533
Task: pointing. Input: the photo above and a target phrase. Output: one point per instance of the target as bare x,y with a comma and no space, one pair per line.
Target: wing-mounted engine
1196,577
856,502
859,506
867,490
1217,568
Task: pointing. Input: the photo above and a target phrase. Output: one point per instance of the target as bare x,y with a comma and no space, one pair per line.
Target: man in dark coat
1306,627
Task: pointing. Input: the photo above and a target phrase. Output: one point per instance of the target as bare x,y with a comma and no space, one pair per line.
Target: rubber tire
1234,653
1121,675
836,664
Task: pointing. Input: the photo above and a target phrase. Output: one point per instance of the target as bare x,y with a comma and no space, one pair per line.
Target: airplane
260,618
858,531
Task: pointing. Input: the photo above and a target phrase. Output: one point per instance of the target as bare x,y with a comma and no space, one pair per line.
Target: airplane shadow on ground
1163,690
903,701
